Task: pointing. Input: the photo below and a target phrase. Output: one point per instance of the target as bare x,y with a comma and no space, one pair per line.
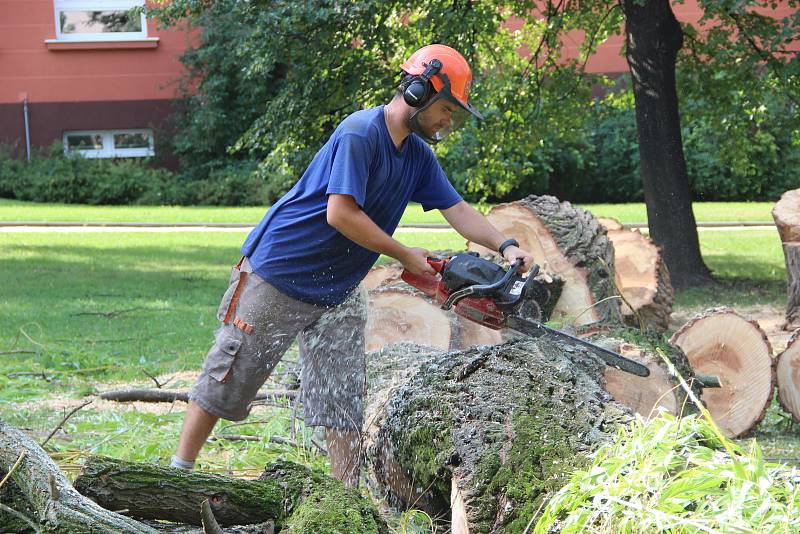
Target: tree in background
322,60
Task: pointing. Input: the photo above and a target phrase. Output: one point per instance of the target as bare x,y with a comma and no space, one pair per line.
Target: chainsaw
487,294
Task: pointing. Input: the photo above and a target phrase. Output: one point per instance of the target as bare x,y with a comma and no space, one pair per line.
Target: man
301,266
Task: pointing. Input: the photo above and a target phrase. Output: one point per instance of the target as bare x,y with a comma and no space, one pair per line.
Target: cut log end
788,377
721,342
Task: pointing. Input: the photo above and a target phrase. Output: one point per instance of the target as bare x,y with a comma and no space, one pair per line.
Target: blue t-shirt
297,251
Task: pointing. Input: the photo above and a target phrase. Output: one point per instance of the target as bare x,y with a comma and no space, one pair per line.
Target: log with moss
481,437
290,497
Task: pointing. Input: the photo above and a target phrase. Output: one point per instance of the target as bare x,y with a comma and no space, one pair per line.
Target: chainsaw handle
437,264
480,290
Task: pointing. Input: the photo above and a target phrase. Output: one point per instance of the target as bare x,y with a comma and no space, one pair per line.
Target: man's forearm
356,226
468,222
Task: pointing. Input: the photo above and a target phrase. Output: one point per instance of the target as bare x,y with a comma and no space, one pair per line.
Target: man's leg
197,426
259,324
333,377
344,448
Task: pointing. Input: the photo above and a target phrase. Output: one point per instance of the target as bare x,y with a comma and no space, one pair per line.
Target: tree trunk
569,242
787,219
788,376
642,278
721,342
291,497
653,38
481,437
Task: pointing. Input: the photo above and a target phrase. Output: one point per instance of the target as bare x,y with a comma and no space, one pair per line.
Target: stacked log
721,342
788,377
786,214
642,278
569,242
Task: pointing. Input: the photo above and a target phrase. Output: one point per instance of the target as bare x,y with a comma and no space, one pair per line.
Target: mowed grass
17,211
95,311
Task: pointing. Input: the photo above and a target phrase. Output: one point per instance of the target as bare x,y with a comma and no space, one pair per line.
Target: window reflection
131,140
85,142
99,21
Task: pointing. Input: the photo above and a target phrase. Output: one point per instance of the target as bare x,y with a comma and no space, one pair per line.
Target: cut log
482,436
791,253
721,342
398,314
642,278
570,243
292,497
788,377
377,276
786,214
647,396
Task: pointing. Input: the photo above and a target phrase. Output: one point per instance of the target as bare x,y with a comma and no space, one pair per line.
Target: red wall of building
27,65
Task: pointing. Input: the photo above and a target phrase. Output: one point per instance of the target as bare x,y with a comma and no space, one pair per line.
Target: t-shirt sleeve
350,167
434,190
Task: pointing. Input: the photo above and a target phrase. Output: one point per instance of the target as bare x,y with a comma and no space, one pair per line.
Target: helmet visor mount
440,116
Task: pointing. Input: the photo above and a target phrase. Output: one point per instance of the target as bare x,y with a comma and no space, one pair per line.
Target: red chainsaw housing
481,310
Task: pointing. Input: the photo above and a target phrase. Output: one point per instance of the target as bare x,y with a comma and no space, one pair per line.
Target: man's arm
346,216
468,222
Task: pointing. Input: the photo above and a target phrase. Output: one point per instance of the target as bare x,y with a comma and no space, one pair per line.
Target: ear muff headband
418,90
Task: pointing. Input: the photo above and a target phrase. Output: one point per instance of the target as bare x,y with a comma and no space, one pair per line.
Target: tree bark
786,214
653,39
721,342
570,243
788,377
482,436
291,496
642,278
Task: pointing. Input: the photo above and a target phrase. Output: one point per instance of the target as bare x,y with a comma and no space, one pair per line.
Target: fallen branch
18,351
64,420
111,314
164,395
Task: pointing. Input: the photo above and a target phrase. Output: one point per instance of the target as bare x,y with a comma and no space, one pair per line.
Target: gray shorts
259,324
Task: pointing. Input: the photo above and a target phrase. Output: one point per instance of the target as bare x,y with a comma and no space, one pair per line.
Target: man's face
436,117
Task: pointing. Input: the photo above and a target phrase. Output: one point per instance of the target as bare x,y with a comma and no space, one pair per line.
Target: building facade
90,73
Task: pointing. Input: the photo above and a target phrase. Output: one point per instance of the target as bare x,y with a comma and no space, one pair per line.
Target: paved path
91,227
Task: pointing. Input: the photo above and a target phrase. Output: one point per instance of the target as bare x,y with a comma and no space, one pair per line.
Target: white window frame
108,150
98,5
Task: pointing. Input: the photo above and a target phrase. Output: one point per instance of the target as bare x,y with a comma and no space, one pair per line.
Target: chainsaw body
476,289
485,293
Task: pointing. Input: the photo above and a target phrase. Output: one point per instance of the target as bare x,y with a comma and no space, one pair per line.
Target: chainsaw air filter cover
468,269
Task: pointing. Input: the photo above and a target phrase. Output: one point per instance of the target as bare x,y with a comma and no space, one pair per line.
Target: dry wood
398,314
166,395
788,376
787,216
791,253
642,278
721,342
571,243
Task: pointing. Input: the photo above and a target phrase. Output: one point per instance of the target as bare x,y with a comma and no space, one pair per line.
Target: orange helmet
454,76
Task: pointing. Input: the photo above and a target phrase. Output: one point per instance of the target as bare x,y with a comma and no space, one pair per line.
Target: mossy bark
506,424
292,497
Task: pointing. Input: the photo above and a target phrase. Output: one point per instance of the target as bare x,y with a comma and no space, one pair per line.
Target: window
99,20
110,143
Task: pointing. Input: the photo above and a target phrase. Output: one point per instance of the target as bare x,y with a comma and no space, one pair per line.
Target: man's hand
512,254
415,261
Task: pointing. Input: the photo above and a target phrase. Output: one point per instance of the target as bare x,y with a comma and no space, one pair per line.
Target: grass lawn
91,310
13,210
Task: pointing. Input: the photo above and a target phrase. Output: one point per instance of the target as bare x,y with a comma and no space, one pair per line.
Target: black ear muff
419,89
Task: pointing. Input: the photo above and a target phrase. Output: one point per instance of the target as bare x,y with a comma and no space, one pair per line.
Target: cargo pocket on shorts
220,358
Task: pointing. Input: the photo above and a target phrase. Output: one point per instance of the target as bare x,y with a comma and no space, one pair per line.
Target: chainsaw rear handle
480,290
